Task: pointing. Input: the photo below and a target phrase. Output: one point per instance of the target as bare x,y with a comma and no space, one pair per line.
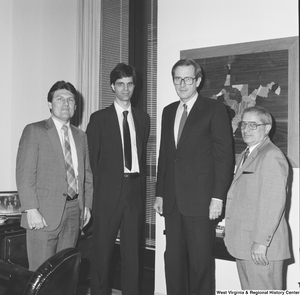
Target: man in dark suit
118,160
195,169
55,203
256,229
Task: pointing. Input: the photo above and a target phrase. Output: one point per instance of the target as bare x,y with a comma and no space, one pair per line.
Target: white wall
37,48
195,24
5,92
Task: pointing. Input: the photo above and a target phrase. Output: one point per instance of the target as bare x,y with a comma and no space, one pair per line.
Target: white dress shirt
135,164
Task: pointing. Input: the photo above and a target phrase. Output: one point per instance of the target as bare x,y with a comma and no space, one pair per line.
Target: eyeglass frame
250,122
183,79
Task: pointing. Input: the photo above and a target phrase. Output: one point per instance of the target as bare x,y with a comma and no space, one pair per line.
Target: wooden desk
12,248
220,250
13,242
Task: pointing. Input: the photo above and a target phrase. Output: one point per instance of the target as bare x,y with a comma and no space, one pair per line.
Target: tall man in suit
55,204
195,169
118,160
256,231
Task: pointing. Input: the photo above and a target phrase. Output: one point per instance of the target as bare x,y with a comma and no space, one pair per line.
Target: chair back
56,276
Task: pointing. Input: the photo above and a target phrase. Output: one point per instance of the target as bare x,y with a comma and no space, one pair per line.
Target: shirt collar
59,124
251,148
190,103
120,110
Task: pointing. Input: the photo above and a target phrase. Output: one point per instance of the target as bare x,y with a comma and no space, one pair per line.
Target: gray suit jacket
41,174
256,204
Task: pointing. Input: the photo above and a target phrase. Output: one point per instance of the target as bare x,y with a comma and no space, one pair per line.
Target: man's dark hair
188,62
61,85
122,70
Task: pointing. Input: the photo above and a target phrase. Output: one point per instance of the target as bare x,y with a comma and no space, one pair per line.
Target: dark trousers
188,255
128,218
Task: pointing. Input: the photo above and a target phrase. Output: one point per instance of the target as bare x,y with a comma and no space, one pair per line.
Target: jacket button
65,195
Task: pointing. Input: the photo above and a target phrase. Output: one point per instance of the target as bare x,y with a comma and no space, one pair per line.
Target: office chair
56,276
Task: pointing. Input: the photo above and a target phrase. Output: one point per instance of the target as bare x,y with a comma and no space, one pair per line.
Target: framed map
264,73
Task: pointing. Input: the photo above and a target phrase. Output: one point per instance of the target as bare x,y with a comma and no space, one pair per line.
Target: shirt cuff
217,200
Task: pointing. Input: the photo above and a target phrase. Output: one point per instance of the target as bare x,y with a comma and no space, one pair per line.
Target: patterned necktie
182,122
69,164
127,141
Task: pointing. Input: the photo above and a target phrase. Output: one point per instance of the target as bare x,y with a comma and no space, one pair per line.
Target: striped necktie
69,164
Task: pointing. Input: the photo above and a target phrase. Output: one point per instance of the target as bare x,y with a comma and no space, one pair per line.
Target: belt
131,175
72,199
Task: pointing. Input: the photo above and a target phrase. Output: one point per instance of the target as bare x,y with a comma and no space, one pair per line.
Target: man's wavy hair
61,85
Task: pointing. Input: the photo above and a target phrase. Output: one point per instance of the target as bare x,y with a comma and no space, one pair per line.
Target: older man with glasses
256,231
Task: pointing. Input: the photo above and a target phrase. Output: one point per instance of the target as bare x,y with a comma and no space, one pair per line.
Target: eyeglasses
186,80
251,125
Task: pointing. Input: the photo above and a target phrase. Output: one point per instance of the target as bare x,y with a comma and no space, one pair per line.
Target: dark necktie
127,141
69,164
246,154
182,121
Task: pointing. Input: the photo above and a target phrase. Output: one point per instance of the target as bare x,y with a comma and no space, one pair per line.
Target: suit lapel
138,125
114,127
249,160
192,117
240,169
55,142
170,124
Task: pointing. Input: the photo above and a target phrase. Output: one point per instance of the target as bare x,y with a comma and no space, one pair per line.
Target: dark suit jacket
201,167
256,203
106,152
41,174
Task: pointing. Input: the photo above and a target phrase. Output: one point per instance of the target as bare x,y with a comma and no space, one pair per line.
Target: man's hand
215,209
87,216
259,254
158,206
35,219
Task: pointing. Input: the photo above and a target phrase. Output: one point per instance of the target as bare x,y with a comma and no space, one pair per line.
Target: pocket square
247,172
